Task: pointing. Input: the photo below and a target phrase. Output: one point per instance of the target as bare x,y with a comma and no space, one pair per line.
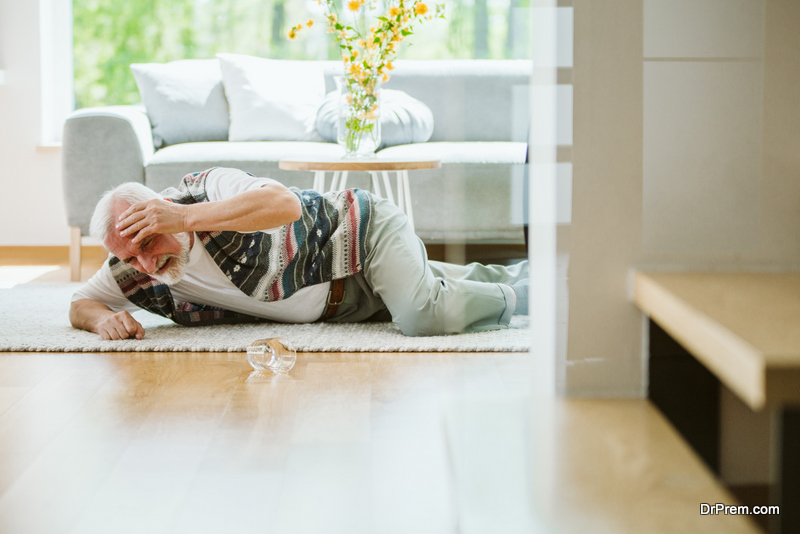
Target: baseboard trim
487,253
49,254
480,252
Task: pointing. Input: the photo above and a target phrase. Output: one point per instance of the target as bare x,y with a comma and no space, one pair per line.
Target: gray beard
179,262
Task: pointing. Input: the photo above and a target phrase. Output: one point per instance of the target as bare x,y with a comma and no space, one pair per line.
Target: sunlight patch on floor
12,275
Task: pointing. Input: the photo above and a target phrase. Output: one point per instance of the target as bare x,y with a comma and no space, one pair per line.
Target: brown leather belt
335,298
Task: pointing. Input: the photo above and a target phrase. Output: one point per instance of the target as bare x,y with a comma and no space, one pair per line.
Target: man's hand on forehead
152,217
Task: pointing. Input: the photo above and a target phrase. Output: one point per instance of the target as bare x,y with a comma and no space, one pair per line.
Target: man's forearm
261,209
86,314
94,316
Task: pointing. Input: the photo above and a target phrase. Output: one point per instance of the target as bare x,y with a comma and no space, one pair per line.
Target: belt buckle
330,294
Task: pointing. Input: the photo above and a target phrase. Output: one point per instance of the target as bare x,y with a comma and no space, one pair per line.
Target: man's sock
521,291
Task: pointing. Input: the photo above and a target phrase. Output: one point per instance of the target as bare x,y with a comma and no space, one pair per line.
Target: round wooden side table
374,166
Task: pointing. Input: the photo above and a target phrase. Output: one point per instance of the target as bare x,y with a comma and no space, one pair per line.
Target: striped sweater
326,243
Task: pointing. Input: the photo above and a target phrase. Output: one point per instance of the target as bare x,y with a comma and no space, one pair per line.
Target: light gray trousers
424,297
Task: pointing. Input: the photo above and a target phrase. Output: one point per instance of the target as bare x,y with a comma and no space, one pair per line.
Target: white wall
31,206
686,155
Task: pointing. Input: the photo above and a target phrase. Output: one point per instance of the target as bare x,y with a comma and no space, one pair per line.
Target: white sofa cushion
168,166
404,119
213,153
505,152
471,197
185,100
272,99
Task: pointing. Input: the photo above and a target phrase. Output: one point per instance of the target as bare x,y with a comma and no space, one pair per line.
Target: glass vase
359,128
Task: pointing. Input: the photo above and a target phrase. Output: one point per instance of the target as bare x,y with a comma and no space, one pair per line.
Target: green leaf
405,33
384,19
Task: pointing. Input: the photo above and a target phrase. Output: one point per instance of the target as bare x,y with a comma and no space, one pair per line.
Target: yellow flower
366,56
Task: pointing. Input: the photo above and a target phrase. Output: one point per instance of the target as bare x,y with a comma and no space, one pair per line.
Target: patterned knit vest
326,243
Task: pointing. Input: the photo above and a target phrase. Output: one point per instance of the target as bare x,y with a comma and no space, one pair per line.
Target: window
110,35
55,69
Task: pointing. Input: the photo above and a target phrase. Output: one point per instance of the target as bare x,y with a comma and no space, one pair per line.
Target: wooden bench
744,329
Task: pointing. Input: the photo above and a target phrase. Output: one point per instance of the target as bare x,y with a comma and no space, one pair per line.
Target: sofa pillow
272,99
185,100
404,119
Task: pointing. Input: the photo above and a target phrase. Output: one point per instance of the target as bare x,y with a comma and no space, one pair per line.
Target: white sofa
480,110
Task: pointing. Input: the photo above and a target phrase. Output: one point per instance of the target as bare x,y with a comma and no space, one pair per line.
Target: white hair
103,217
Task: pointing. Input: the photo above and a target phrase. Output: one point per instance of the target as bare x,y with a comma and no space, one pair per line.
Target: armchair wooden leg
75,253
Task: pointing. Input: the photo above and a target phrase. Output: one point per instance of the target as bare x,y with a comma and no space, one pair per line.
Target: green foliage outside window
109,35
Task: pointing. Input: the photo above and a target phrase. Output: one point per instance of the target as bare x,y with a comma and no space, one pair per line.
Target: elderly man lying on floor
228,247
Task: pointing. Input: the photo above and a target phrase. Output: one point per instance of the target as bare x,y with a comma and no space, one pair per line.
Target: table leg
388,186
376,184
319,181
401,197
407,192
335,181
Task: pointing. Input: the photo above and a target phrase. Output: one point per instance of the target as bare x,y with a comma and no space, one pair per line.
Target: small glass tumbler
275,354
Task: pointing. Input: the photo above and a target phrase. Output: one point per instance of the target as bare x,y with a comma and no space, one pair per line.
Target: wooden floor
351,443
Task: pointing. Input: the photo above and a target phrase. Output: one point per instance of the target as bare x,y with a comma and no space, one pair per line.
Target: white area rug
34,317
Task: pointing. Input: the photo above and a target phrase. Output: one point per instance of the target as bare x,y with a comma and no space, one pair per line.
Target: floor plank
68,473
611,466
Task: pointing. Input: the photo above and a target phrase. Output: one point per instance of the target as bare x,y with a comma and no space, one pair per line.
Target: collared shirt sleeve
103,288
